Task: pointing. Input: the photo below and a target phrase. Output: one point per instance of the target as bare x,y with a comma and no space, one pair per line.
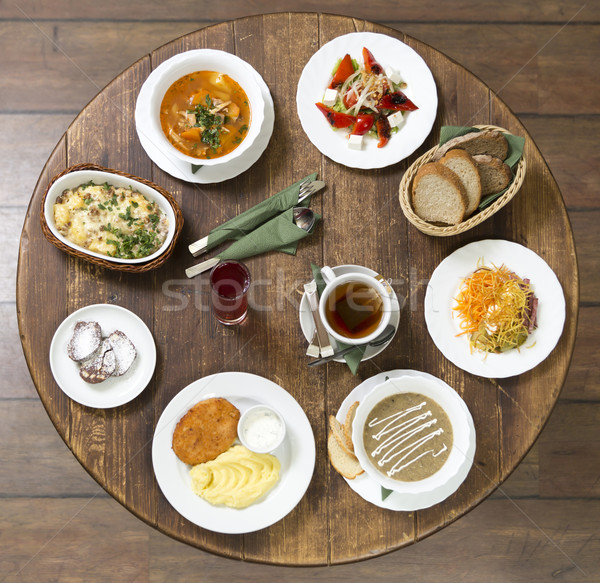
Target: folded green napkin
242,224
280,233
354,357
515,152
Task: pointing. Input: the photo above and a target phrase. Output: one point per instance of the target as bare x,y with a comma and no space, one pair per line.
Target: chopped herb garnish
134,204
101,206
88,200
210,122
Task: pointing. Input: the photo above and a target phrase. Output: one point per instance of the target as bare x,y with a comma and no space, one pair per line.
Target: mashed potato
237,478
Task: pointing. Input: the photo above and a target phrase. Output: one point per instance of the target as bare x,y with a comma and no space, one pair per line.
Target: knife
323,337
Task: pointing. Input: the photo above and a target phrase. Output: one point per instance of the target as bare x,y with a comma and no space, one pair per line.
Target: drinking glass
229,284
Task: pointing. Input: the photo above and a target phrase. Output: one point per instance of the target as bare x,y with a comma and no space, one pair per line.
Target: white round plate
389,52
296,454
369,489
443,327
307,322
207,174
114,391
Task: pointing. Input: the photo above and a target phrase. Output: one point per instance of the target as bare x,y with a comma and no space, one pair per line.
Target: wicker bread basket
473,220
127,267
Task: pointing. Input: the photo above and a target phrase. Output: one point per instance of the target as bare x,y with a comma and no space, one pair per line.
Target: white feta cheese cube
393,76
396,119
355,142
330,97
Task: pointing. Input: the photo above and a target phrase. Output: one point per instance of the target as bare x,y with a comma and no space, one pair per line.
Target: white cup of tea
354,307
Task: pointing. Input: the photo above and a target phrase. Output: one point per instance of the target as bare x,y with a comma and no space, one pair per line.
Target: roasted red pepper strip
371,65
364,122
383,131
344,70
336,118
396,101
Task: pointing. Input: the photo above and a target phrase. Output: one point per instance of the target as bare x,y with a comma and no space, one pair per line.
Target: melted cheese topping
113,221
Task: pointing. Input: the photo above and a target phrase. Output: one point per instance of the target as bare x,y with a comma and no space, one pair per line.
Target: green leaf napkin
242,224
354,357
280,233
515,152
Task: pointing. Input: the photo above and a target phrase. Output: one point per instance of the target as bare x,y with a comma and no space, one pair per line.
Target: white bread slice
347,427
490,142
438,195
343,462
495,174
463,165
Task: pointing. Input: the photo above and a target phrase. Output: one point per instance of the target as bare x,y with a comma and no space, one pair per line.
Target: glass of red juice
229,284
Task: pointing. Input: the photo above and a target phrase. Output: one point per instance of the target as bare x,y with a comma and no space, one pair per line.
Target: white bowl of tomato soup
206,107
414,435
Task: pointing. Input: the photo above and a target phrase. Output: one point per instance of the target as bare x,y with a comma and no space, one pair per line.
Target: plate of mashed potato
206,493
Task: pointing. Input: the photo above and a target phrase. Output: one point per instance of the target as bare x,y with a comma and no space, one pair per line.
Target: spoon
303,217
386,335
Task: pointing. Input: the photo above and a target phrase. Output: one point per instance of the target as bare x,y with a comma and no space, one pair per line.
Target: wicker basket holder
127,267
473,220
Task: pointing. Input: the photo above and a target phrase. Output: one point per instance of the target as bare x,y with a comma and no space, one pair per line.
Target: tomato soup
205,114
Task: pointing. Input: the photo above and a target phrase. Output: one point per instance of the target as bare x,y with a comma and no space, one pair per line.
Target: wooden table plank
377,10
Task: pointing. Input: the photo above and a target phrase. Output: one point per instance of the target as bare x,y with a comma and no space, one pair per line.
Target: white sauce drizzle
401,432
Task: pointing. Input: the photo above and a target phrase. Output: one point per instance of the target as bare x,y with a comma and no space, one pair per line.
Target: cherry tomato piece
336,118
350,99
364,122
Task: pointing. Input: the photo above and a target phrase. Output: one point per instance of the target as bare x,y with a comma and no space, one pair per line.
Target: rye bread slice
438,195
490,142
463,165
495,174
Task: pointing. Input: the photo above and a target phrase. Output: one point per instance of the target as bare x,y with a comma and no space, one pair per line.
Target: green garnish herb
210,122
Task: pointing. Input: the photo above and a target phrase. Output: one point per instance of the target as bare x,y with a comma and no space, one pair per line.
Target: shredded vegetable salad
497,309
366,99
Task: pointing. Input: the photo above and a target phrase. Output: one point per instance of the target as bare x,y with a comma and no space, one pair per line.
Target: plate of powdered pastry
102,356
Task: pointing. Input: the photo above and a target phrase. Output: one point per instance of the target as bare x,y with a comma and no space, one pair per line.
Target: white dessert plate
370,490
389,52
114,391
296,454
307,322
444,328
165,160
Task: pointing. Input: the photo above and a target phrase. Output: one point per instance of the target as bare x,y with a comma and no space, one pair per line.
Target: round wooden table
331,524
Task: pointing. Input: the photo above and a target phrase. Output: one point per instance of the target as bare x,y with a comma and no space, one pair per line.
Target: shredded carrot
491,304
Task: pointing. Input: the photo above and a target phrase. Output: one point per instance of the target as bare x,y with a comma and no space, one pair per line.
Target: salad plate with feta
366,100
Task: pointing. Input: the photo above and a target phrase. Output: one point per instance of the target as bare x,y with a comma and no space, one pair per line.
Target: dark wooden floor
57,524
